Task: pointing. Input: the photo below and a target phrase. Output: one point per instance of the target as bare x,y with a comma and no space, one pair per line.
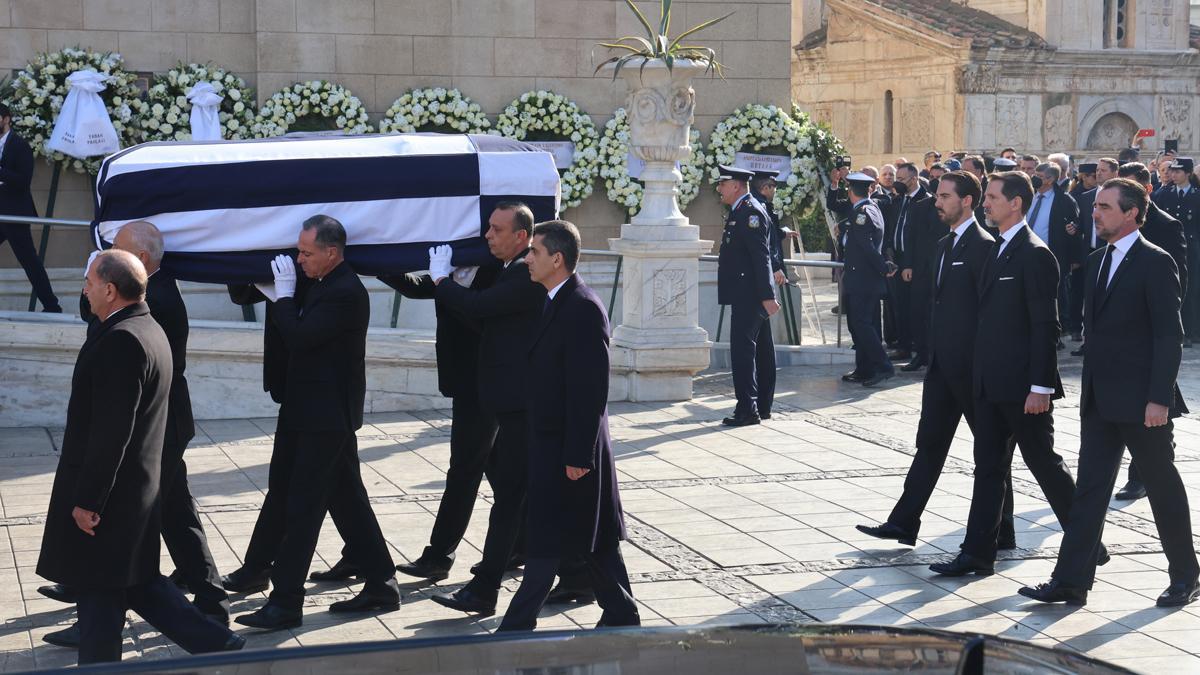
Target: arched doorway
1113,131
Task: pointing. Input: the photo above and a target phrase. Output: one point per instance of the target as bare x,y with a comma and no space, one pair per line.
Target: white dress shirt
958,233
1120,250
554,291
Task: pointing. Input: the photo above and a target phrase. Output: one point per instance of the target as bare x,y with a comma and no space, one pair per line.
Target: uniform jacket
744,264
16,174
865,269
1018,321
111,457
1185,209
568,417
508,312
1134,336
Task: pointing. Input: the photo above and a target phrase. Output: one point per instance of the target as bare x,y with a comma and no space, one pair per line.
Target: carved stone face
661,119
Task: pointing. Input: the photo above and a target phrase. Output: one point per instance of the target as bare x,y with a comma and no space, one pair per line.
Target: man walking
16,173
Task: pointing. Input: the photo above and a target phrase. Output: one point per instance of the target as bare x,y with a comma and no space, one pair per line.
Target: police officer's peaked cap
1004,164
765,173
860,179
1088,167
734,173
1184,163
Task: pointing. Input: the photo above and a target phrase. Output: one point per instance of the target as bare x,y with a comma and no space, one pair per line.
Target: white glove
439,261
91,259
285,276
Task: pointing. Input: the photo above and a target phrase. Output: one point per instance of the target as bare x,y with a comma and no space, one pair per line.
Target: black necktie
1105,270
949,248
546,305
900,226
1037,206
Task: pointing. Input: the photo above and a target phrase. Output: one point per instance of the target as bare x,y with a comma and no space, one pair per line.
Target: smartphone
1171,145
1145,133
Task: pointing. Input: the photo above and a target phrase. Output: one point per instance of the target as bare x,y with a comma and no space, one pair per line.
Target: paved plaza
743,525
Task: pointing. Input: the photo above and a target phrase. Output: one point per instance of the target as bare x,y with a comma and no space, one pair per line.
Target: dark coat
865,270
891,216
167,308
457,342
508,312
568,416
275,353
111,457
921,234
954,312
1167,233
326,340
1134,336
16,174
744,261
1185,209
1064,245
1084,224
1018,322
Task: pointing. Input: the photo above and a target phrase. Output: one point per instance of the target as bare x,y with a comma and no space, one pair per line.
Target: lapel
1120,272
997,265
552,310
136,309
317,289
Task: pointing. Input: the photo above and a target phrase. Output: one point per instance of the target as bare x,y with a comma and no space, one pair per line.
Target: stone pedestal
659,344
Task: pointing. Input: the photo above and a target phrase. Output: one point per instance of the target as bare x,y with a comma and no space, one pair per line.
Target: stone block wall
493,50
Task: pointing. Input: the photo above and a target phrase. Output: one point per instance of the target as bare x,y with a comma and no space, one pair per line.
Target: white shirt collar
554,291
1124,243
1012,231
962,227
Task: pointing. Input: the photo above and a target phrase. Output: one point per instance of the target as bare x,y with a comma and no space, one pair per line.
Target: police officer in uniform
762,189
744,283
1181,200
863,282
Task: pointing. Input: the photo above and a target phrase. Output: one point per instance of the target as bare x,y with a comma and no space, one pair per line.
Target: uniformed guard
1181,199
863,283
744,283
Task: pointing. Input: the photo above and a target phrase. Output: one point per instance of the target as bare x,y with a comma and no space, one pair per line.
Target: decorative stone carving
978,78
857,133
1058,128
1175,119
981,121
1159,17
1111,132
670,292
915,126
823,114
1011,120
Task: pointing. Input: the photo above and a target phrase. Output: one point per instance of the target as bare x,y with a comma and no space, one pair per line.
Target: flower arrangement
546,116
317,105
625,190
167,110
40,88
435,109
770,130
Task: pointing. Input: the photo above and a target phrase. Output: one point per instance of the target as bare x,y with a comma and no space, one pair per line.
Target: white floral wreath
625,190
41,87
434,109
166,115
756,128
546,116
314,99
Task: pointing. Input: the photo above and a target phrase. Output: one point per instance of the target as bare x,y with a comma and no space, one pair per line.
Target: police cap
734,173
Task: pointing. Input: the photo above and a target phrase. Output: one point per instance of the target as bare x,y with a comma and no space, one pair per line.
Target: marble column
659,343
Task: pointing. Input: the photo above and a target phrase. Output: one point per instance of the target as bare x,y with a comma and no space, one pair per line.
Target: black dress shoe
385,596
176,577
59,592
854,376
741,420
516,562
564,594
1054,591
1006,544
424,570
1132,491
878,378
899,355
243,580
342,570
764,415
1179,593
962,565
913,366
466,601
67,637
1103,558
889,531
271,617
234,643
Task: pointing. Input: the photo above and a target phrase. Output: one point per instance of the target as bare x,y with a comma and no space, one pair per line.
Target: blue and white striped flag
226,208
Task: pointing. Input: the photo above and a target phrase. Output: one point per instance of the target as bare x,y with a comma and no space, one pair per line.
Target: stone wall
493,50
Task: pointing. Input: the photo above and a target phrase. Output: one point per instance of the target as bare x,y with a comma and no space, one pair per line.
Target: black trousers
472,435
21,239
997,425
921,294
889,322
751,357
509,479
160,603
317,471
945,399
869,355
183,532
1101,445
900,296
609,578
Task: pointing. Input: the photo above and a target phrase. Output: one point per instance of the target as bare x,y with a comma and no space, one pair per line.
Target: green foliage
658,45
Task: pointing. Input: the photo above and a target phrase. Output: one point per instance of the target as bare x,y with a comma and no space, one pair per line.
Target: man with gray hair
1053,219
1063,161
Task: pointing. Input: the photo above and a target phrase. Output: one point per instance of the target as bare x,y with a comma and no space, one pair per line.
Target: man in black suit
182,529
946,396
921,233
1053,219
102,525
902,216
16,173
1082,191
1014,374
863,283
507,312
326,338
574,503
1129,396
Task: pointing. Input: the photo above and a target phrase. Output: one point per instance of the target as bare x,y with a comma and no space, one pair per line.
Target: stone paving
727,526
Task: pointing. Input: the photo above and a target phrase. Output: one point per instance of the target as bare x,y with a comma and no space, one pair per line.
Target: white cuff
1034,389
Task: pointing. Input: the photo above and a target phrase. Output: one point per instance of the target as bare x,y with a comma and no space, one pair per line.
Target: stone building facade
1075,76
493,50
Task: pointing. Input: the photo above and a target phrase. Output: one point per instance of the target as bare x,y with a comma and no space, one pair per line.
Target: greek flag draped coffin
226,208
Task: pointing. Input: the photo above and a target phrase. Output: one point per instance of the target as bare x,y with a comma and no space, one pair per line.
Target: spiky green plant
657,44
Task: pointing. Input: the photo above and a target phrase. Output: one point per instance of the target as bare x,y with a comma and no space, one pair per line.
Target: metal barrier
788,302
